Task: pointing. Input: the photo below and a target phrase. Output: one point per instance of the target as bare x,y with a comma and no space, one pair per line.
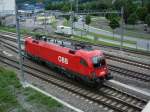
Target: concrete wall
7,7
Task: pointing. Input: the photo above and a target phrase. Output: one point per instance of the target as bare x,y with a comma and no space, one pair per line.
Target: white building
7,7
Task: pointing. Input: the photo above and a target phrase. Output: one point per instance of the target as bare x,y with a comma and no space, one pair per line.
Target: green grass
8,84
138,35
85,39
22,31
3,28
9,29
112,38
11,90
40,98
54,25
66,23
107,37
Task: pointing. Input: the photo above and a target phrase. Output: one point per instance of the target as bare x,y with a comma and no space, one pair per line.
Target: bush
112,16
88,19
141,13
148,7
114,24
132,19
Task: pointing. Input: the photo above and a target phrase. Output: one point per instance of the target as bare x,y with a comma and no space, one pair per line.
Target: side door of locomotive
35,47
83,66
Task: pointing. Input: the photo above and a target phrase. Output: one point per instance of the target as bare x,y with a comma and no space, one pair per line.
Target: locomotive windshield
98,61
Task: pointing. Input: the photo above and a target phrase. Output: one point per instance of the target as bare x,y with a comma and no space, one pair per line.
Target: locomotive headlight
102,73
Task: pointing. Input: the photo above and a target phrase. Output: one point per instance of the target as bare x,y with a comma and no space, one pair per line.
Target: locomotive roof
85,52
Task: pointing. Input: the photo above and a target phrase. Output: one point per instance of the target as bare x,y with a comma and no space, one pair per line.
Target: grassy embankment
15,98
85,39
22,31
112,38
129,30
107,37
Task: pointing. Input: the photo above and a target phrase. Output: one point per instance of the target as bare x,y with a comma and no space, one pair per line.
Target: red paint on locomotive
91,64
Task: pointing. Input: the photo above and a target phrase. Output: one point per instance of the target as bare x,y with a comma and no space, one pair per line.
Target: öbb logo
62,60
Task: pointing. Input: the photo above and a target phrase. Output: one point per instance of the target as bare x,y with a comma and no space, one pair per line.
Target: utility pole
45,22
142,1
71,16
23,81
122,31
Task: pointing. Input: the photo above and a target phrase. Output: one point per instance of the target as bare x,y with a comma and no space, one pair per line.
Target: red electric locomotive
77,60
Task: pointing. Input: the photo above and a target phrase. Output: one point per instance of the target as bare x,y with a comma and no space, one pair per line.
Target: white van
64,30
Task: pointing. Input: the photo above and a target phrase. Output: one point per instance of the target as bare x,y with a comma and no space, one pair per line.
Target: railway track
110,97
128,73
144,78
128,61
112,57
8,33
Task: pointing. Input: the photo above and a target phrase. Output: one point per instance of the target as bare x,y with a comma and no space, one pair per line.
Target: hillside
46,1
81,2
33,1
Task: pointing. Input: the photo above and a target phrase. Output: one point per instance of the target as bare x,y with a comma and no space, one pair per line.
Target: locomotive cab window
35,41
26,43
98,61
83,62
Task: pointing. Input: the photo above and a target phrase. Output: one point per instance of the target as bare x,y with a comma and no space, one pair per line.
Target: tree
100,6
148,7
66,8
129,8
118,4
147,20
141,13
142,2
75,19
110,16
132,19
49,6
114,24
88,20
40,1
67,17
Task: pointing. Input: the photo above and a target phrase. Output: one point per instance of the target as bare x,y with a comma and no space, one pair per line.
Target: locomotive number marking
62,60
